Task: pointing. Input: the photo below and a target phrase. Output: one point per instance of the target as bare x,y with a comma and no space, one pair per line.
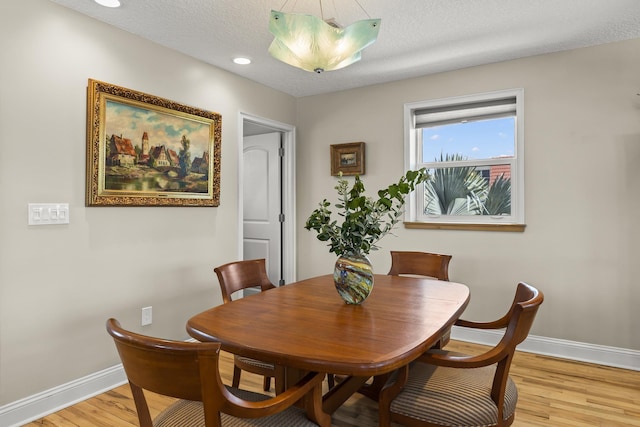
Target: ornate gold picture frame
347,158
147,151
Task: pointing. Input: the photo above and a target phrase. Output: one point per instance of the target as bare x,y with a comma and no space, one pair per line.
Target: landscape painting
147,151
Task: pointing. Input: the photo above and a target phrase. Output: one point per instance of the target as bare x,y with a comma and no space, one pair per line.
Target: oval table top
306,325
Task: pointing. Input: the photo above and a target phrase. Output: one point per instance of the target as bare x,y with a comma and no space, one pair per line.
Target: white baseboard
572,350
47,402
39,405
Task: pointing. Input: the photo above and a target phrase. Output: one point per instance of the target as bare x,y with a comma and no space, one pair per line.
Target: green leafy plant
364,220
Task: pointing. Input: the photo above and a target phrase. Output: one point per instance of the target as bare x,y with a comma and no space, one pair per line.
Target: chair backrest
519,320
521,314
239,275
170,368
420,263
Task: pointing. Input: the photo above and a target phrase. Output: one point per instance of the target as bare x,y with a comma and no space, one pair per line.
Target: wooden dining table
306,326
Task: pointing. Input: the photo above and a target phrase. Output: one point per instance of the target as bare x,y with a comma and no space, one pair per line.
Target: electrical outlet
147,316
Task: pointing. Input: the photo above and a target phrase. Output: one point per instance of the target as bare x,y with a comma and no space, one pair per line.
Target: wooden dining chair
422,264
189,371
238,276
445,388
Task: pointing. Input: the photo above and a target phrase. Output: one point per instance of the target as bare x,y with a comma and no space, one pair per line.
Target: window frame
414,216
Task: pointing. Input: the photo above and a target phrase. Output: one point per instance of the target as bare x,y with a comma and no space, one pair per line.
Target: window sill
516,228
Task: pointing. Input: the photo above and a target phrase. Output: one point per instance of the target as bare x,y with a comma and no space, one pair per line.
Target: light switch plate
48,213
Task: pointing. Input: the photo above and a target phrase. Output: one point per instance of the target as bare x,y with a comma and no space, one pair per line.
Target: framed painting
347,159
147,151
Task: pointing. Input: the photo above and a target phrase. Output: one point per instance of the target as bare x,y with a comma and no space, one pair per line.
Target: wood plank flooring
552,393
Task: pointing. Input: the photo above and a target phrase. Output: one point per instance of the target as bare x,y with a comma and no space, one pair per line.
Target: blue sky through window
483,139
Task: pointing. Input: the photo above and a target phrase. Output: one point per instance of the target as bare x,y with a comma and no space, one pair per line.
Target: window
473,148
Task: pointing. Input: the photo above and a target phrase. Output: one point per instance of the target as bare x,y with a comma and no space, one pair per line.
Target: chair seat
452,397
253,362
187,413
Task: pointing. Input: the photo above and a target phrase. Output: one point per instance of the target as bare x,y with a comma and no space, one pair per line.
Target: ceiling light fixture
108,3
240,60
315,44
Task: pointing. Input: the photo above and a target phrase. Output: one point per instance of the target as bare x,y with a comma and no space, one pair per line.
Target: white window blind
465,112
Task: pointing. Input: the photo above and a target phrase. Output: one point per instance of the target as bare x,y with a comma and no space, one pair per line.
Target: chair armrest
522,294
458,360
247,409
496,324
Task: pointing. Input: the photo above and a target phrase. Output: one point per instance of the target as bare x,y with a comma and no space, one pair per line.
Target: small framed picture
347,158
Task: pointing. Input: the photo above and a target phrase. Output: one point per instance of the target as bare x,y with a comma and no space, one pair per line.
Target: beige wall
582,144
58,284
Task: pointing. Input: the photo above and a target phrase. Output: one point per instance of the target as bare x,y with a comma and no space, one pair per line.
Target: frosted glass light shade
308,42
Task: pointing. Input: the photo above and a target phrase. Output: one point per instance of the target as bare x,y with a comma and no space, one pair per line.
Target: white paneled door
262,201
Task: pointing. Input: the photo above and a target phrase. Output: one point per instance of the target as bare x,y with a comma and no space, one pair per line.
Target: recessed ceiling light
108,3
241,60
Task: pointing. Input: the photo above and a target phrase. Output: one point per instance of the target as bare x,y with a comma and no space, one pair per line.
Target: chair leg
236,377
266,383
280,379
372,391
331,380
444,340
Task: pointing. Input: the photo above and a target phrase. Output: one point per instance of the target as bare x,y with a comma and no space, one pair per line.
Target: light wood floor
552,392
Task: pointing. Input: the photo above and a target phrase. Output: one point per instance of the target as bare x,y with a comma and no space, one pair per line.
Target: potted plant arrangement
364,221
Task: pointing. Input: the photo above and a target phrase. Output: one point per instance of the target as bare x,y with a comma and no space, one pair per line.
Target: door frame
289,248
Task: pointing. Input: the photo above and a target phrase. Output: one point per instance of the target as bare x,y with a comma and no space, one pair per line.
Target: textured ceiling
417,37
